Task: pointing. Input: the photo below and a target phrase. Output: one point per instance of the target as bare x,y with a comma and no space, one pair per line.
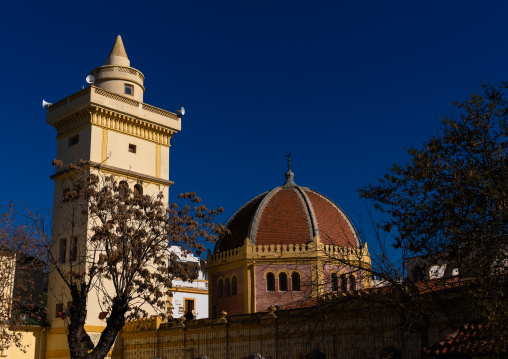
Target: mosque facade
291,275
286,247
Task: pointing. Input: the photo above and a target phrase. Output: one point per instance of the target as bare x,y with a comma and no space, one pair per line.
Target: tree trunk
115,323
78,339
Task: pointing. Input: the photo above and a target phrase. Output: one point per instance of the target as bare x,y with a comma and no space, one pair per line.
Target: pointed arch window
270,282
283,282
138,190
234,285
220,288
295,281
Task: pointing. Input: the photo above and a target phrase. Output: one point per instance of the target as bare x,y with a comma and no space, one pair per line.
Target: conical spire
118,56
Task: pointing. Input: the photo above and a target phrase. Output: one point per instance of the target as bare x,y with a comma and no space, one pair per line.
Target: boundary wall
339,328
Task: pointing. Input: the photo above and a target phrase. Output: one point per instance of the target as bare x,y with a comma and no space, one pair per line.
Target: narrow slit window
74,249
132,148
227,288
220,288
283,282
234,286
63,250
270,282
352,283
295,281
129,90
335,282
343,283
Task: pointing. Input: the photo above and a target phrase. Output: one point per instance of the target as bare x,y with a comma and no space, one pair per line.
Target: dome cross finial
289,175
289,160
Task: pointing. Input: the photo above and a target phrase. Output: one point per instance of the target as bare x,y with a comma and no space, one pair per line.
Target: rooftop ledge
96,96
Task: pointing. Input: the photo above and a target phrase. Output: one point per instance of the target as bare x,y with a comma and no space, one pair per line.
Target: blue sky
343,86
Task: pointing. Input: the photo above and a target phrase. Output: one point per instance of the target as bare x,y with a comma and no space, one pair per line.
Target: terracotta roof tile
288,215
239,225
283,220
333,227
471,339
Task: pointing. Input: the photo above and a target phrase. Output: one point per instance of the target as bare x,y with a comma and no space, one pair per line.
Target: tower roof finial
118,56
289,175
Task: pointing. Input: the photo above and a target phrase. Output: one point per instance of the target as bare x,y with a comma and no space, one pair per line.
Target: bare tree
124,261
22,272
450,200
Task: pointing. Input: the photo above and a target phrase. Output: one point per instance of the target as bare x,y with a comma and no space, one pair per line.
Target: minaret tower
108,124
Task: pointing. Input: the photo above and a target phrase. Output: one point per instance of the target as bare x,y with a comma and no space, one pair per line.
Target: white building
189,296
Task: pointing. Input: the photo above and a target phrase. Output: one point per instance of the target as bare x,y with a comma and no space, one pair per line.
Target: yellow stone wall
33,344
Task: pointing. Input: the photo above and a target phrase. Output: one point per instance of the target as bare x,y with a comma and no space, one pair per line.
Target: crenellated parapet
287,252
230,255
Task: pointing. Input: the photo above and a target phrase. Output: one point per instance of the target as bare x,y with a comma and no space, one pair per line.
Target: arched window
220,288
122,188
352,282
270,282
227,288
138,190
295,281
283,282
343,283
234,285
335,282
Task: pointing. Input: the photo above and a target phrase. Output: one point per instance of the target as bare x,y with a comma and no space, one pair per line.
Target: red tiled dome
289,214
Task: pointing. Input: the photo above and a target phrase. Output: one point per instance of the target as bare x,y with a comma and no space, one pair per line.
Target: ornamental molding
119,173
110,68
114,121
94,105
131,126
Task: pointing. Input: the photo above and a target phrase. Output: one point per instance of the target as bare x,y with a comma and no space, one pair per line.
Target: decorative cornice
188,290
110,68
116,171
96,106
131,126
114,121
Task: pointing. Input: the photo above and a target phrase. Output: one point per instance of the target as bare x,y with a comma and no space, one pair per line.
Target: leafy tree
126,262
451,199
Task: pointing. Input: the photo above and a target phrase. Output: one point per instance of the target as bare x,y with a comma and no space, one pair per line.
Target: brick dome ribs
239,226
334,226
283,220
289,214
